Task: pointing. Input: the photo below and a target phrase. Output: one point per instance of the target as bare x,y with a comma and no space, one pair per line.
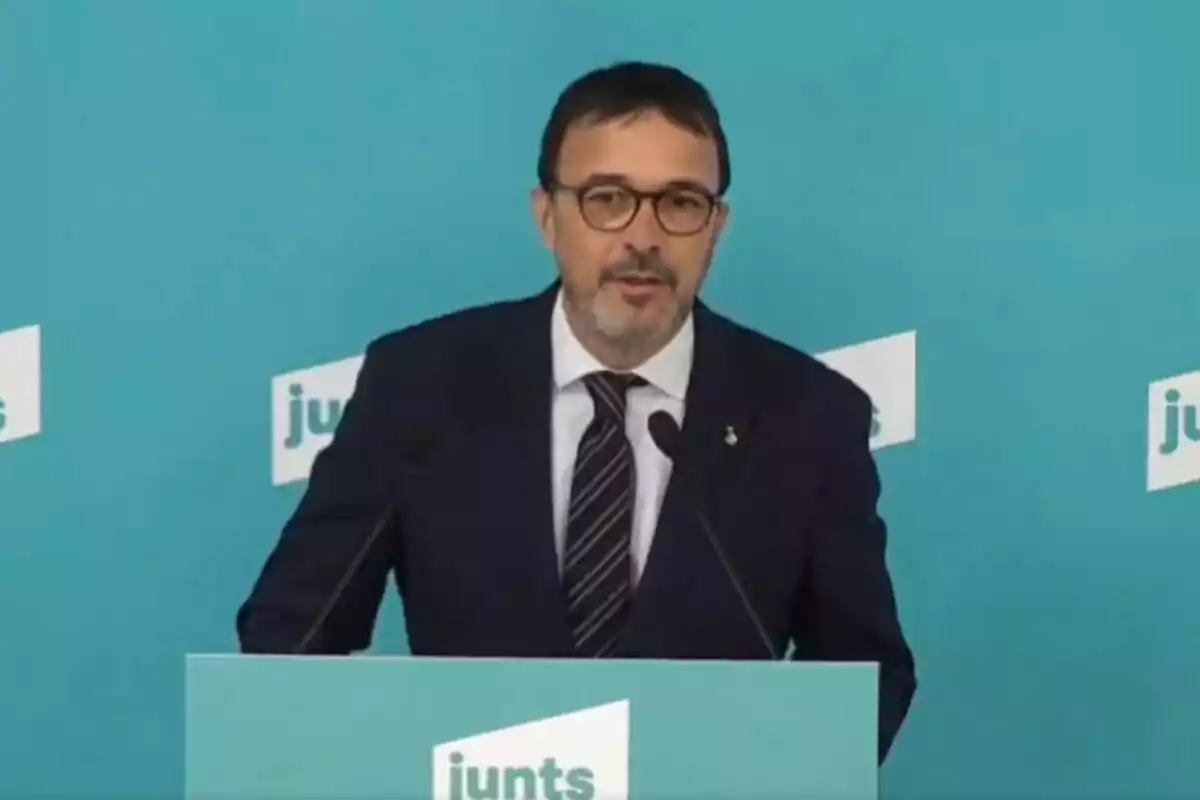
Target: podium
408,728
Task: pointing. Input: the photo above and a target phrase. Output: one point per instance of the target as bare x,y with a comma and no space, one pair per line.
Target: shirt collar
668,370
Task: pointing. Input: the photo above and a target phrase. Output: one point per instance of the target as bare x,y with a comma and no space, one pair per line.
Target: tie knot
608,392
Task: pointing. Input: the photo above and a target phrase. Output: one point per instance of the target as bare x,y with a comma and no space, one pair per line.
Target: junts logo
1173,432
306,407
583,755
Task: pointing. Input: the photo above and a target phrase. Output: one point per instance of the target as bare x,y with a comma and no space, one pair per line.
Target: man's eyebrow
605,177
617,177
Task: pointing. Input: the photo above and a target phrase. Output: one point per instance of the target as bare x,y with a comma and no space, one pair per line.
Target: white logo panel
306,407
576,756
20,383
1173,432
886,369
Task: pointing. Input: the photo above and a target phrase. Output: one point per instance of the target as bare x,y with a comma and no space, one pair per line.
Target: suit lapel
519,444
718,412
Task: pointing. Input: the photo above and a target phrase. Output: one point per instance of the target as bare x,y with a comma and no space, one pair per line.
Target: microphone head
664,430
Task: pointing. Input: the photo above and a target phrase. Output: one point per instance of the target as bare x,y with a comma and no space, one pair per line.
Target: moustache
641,266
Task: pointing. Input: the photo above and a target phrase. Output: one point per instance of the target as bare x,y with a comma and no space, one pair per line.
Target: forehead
646,148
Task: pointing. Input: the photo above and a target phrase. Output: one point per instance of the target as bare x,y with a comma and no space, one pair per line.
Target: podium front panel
274,728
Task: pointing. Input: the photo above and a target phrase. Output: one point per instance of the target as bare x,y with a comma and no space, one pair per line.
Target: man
499,461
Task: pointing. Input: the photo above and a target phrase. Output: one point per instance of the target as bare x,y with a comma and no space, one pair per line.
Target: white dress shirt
667,374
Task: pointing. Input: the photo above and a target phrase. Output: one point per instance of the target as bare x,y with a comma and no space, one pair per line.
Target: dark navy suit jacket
447,437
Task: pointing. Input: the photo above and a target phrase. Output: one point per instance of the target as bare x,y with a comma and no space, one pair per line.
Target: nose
641,256
643,231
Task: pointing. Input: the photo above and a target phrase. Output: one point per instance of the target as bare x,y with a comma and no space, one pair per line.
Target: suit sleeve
847,609
326,539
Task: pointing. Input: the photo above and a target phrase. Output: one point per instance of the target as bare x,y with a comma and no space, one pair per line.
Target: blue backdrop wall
197,197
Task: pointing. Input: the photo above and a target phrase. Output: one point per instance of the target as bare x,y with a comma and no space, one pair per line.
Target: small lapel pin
730,436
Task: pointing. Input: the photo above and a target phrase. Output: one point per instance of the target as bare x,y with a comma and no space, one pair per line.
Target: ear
543,215
720,219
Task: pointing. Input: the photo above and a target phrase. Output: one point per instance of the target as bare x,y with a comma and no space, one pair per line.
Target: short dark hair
629,87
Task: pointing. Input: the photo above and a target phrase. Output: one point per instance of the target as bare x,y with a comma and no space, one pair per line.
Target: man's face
631,278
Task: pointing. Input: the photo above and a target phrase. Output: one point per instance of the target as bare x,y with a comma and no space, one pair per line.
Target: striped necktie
597,567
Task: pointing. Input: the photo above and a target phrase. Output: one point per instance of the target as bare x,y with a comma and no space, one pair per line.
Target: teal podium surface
277,727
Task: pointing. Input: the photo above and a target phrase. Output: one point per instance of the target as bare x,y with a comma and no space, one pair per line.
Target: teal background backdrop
197,196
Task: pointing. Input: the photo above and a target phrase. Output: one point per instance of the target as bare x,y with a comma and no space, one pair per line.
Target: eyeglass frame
655,196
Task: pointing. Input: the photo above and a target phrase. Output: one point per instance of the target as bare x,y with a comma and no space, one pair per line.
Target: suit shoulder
788,372
440,336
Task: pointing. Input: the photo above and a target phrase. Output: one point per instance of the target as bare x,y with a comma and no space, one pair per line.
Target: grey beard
623,333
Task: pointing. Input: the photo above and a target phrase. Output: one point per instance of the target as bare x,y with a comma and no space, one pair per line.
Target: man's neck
616,358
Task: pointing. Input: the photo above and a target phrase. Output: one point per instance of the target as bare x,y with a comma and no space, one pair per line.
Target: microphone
380,525
664,430
419,451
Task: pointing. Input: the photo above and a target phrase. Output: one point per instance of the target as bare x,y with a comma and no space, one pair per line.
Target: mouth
640,291
639,282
